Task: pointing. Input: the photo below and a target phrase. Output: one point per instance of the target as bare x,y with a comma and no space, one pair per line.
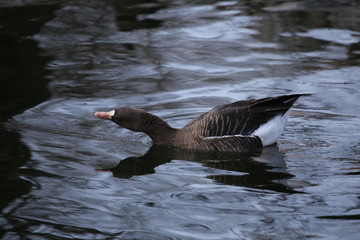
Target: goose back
241,117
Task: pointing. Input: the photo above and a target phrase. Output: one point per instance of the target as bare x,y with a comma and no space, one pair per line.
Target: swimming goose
242,126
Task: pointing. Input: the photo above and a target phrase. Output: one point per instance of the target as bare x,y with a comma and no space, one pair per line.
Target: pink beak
105,115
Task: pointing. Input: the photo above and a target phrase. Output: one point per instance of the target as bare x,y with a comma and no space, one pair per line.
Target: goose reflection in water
265,170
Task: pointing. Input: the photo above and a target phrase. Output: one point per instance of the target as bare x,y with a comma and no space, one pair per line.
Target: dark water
66,175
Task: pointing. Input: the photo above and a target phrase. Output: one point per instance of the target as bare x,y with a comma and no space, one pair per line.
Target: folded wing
242,117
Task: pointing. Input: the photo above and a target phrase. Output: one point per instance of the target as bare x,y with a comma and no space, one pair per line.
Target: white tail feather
271,131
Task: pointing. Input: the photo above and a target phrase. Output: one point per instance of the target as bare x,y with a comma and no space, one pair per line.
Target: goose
242,126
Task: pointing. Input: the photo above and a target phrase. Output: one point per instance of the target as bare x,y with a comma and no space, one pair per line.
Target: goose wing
242,117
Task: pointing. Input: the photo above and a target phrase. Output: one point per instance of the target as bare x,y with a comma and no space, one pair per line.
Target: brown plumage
241,126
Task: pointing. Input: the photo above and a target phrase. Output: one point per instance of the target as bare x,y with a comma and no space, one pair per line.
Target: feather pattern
242,117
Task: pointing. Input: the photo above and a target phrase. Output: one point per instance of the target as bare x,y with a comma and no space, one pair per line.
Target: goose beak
105,115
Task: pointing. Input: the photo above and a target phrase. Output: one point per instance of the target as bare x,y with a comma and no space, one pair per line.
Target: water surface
66,174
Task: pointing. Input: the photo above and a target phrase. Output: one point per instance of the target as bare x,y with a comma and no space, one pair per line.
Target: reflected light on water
65,174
